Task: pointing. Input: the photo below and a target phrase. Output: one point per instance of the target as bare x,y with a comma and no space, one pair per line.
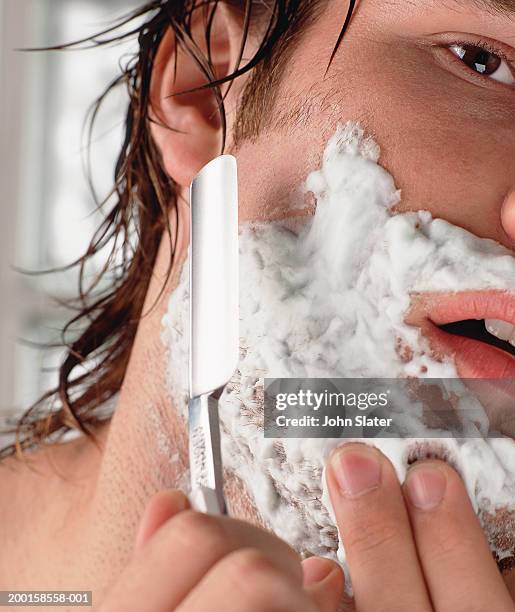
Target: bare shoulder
40,471
39,497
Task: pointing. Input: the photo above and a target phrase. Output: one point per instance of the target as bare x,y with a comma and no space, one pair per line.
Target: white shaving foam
330,301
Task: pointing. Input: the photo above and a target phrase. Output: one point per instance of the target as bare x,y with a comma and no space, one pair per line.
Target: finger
324,582
247,581
374,526
509,581
183,550
460,571
162,507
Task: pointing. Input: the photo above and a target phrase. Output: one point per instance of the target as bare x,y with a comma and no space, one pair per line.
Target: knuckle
198,531
370,537
252,564
448,546
256,581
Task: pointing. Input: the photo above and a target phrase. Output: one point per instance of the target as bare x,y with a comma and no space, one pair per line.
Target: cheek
456,167
447,145
271,172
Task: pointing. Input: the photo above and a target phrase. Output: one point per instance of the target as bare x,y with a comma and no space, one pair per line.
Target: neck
144,446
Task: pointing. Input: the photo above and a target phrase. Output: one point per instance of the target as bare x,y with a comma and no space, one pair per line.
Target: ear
187,128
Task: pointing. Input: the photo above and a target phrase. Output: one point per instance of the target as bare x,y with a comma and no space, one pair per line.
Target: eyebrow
503,7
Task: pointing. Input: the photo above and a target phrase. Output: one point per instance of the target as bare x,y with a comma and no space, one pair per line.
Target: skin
440,128
426,530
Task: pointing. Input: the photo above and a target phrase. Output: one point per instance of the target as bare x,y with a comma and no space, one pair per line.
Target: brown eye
484,62
478,59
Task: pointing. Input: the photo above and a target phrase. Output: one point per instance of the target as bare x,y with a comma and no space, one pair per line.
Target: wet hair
138,209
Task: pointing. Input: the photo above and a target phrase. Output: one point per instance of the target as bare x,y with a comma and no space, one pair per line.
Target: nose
508,214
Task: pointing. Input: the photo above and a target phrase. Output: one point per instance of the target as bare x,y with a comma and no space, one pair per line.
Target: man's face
447,136
446,130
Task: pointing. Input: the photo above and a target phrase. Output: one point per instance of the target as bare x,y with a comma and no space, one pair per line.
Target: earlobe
186,127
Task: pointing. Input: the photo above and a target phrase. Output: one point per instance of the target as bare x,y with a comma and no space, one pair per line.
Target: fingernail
357,470
425,485
316,569
180,499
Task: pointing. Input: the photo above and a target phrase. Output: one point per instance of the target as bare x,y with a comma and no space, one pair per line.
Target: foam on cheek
330,301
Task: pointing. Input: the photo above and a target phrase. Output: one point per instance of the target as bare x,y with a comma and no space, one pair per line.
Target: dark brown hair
143,196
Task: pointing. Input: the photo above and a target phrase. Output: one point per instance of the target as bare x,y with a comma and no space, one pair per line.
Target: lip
473,358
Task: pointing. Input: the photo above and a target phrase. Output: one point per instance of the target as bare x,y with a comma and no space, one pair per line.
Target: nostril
508,215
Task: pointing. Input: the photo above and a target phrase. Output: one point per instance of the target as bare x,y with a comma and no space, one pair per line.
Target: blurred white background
47,214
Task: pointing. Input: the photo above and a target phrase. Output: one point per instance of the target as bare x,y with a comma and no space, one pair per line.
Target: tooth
501,329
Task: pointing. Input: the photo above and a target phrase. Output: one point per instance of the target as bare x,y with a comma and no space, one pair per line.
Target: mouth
489,331
476,329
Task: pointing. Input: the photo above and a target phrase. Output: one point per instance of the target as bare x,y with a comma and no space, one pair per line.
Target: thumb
161,508
324,582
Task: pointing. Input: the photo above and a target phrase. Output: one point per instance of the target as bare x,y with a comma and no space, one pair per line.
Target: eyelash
480,44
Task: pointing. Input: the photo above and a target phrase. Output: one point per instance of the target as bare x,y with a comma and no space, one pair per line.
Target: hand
416,548
191,562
